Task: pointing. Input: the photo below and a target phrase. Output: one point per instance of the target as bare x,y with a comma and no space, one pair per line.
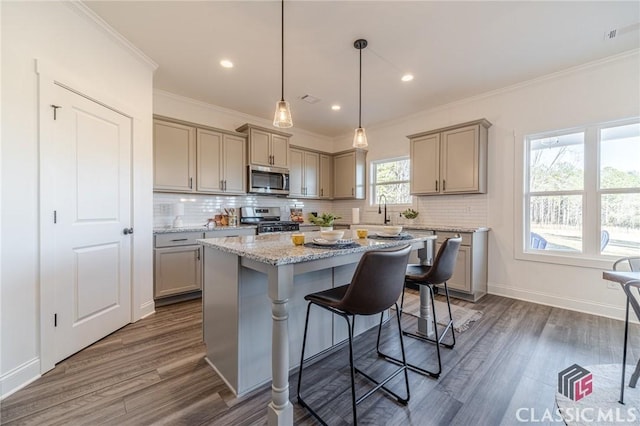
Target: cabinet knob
127,231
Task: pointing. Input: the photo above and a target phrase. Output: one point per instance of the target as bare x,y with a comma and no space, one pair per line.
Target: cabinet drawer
177,239
466,237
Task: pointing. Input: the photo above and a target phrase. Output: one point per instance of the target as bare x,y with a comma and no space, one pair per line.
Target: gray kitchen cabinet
192,158
220,162
178,264
174,156
267,147
326,176
349,174
304,171
469,279
451,160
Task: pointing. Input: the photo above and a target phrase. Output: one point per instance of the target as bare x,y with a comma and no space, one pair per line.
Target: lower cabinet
178,259
469,279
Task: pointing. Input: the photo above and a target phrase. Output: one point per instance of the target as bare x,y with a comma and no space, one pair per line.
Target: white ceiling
454,49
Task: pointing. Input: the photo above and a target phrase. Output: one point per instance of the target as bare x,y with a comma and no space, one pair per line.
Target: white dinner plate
386,235
323,242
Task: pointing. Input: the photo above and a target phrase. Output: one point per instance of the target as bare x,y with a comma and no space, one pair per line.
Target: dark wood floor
153,372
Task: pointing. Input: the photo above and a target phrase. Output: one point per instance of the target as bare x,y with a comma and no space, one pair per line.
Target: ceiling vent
617,32
310,99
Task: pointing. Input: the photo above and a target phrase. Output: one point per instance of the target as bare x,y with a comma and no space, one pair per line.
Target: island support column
280,410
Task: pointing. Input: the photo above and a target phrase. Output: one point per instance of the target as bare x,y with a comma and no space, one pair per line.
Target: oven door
268,180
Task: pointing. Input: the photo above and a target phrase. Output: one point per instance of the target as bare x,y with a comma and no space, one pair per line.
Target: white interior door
91,165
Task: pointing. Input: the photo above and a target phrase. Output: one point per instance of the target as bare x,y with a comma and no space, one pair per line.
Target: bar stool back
375,287
429,276
632,290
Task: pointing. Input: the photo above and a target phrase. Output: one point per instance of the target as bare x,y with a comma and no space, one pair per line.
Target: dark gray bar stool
375,287
429,276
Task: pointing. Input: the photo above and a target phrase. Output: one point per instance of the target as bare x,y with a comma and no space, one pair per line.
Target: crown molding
83,10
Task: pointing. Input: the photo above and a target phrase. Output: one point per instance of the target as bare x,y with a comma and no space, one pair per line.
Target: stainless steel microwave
268,180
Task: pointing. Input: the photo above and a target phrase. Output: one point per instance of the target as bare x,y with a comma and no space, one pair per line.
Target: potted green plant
325,220
410,214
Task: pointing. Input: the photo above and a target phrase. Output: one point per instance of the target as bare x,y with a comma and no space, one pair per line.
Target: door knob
127,231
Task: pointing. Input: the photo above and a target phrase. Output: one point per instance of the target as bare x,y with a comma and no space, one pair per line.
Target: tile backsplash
446,210
198,208
449,210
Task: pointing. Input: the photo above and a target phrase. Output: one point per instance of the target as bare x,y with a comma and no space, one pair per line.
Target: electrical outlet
613,286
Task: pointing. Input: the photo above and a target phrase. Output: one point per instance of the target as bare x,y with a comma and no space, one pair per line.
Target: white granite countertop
277,249
200,228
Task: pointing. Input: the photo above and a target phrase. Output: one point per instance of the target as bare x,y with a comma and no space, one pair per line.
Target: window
582,191
391,179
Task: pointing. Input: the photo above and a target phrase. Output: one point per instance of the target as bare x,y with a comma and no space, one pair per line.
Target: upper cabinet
174,156
326,176
349,175
194,158
267,147
304,173
451,160
220,162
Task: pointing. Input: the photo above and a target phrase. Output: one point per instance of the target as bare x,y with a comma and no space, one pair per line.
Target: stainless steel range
267,219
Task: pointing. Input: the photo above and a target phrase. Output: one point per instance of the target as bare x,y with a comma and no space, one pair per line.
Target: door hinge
55,216
55,320
55,110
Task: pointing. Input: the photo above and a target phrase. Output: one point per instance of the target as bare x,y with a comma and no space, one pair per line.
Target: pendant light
360,137
282,116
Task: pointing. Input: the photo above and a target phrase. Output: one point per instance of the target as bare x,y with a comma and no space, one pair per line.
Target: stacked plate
323,242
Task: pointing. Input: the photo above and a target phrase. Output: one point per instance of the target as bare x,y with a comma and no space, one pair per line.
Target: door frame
49,77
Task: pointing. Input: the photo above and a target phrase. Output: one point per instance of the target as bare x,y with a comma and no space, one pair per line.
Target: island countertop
277,249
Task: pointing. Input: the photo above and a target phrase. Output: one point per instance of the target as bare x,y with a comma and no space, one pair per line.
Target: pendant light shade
282,117
360,137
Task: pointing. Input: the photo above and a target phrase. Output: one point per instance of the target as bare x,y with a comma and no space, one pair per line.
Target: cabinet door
209,161
425,164
235,171
461,278
259,147
177,270
173,156
344,175
326,176
296,174
279,151
460,159
311,170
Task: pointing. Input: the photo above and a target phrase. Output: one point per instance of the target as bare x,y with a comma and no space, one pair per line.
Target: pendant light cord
360,93
282,51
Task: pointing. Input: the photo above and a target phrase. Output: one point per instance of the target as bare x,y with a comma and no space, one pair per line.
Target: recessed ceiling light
336,107
226,63
407,77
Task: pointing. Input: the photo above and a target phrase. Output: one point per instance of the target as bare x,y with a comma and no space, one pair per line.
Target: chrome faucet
386,218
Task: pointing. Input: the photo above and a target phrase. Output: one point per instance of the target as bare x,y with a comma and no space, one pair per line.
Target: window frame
373,184
590,256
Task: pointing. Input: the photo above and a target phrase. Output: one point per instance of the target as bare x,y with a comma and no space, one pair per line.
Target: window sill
558,258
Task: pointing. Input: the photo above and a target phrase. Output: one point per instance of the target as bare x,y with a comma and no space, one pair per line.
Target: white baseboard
147,308
572,304
19,377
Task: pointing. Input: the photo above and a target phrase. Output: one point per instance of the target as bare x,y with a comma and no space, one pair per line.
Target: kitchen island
248,280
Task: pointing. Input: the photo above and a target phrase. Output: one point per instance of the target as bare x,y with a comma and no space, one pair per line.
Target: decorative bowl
392,230
331,235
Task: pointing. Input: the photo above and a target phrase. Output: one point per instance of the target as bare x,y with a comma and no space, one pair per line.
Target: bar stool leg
304,344
624,352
